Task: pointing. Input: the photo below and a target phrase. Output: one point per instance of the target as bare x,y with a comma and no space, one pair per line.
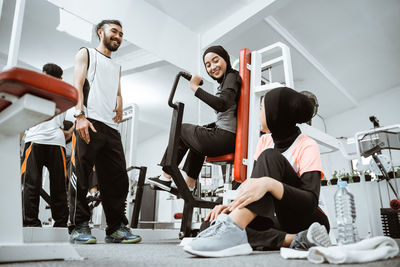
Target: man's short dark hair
104,22
53,70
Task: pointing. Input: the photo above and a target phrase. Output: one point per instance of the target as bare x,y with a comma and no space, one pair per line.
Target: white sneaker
315,235
173,185
223,239
166,185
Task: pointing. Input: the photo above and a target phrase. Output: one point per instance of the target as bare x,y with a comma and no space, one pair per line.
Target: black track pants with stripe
104,151
35,157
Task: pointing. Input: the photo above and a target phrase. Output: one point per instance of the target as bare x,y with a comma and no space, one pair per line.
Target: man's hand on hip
82,128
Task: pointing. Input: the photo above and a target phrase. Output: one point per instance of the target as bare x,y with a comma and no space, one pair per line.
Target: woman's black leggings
201,142
275,217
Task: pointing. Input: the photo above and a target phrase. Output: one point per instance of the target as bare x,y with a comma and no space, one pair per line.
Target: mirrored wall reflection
49,34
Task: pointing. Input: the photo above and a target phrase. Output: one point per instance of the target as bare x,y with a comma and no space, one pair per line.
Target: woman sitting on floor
275,207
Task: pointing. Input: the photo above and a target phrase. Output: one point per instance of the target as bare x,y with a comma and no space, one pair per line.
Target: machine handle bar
185,75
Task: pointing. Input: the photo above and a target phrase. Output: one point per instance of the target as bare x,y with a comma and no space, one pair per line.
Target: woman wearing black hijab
214,139
279,203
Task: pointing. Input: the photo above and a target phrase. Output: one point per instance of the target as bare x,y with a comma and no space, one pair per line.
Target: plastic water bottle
345,215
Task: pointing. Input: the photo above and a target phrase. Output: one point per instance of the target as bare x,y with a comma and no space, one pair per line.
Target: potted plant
367,175
334,178
394,173
355,176
344,176
324,182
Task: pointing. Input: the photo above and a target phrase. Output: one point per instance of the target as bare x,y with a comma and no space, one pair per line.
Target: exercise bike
171,165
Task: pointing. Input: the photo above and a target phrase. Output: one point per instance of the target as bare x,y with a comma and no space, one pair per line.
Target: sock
230,219
165,179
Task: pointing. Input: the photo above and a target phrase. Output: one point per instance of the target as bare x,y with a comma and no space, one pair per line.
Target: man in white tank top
97,141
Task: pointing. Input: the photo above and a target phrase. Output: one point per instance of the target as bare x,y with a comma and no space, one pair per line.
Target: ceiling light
75,26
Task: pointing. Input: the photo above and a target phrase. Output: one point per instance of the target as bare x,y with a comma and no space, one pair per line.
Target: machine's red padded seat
18,82
242,127
224,158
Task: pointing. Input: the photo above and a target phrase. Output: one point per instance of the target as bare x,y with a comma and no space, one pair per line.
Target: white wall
384,106
150,153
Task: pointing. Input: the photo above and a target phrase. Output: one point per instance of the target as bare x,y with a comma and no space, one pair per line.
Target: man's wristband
79,113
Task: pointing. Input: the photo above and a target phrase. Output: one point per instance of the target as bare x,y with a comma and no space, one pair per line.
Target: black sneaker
166,185
315,235
123,235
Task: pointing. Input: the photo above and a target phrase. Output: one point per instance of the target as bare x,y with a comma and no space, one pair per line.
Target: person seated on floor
215,139
275,207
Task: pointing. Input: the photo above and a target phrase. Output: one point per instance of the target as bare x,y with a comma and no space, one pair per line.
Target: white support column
16,34
11,228
287,66
255,81
1,7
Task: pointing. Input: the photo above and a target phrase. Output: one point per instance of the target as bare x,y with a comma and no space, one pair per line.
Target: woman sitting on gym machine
214,139
275,207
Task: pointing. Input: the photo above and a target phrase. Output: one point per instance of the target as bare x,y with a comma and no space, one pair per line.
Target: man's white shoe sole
244,249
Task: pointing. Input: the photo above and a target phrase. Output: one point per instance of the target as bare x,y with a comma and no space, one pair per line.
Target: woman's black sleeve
226,98
307,194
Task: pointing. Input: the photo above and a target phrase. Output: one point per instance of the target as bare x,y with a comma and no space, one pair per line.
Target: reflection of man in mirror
97,141
45,146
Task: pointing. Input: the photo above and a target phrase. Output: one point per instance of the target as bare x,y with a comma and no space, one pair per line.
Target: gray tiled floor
167,253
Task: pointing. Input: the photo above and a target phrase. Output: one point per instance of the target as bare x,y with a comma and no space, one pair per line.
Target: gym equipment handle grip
188,76
185,75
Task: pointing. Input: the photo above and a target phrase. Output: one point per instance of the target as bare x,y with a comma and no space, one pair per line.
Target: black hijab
220,51
284,107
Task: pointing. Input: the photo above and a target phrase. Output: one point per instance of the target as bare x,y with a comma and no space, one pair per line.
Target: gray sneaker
223,239
211,230
123,235
315,235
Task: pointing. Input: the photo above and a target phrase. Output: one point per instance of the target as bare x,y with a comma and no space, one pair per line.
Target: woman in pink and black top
293,161
275,207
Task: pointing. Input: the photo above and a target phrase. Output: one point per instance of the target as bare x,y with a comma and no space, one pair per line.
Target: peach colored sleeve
260,146
310,158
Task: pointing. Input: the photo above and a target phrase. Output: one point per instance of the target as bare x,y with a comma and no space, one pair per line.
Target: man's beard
107,43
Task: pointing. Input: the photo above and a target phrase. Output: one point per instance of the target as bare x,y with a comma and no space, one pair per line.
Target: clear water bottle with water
345,215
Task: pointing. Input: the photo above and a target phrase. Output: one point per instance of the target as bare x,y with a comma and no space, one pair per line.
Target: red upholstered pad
19,81
242,129
223,158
